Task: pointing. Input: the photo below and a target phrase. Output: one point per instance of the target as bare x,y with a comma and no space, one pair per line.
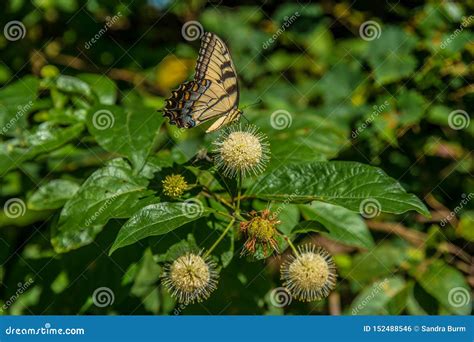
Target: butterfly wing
213,93
215,63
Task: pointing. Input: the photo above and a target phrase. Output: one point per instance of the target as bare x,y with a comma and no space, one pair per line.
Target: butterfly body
214,92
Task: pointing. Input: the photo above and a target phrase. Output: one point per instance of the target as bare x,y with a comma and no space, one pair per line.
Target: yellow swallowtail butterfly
214,92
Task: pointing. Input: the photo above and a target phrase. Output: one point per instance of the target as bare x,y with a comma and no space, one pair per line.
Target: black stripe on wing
214,55
180,105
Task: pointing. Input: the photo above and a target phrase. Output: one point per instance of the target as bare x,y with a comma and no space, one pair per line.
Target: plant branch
415,237
335,303
208,193
293,248
225,214
219,239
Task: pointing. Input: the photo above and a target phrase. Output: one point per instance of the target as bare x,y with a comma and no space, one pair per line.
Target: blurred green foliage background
384,97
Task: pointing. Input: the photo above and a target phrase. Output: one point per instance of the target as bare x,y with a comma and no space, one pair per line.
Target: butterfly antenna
249,105
252,104
243,115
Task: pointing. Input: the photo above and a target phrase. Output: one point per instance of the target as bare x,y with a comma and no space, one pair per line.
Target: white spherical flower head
242,149
242,152
311,275
190,278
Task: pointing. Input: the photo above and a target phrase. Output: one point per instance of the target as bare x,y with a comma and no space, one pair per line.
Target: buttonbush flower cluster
241,152
190,278
308,274
174,185
261,231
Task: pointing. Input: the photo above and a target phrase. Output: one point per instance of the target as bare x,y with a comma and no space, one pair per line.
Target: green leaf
73,85
339,83
465,227
461,40
295,151
157,219
144,286
448,286
357,187
287,214
178,249
25,220
53,195
393,68
390,56
411,105
110,192
440,115
129,131
16,101
343,225
381,261
413,306
292,142
44,139
102,86
374,299
304,227
227,256
397,304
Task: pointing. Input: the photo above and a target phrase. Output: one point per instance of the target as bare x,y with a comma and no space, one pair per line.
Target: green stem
209,193
240,217
219,239
239,191
225,214
291,245
223,201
